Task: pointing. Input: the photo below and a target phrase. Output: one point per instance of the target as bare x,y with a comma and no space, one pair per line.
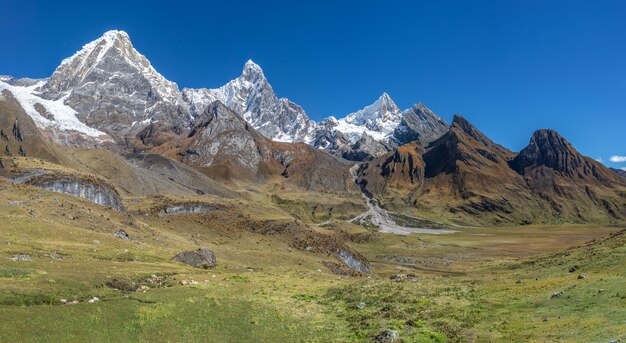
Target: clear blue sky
510,67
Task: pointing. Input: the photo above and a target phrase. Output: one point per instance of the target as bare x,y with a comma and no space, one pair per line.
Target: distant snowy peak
378,120
383,110
113,54
253,98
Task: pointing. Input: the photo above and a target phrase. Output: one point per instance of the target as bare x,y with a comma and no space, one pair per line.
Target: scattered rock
387,336
518,281
360,305
63,301
556,294
615,341
573,269
582,276
156,280
203,258
96,241
122,235
189,282
21,258
53,256
143,289
93,300
398,277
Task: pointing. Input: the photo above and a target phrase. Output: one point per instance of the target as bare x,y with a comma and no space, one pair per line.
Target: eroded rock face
94,190
353,262
201,258
99,194
189,208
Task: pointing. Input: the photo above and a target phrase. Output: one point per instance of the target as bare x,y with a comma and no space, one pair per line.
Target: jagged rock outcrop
251,96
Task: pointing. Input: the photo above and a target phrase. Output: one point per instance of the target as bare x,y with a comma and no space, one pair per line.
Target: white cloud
599,159
617,158
623,168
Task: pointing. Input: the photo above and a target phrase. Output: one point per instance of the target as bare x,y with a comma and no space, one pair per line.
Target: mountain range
108,95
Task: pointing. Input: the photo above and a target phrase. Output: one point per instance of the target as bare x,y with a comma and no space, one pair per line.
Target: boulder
556,294
202,258
387,336
122,235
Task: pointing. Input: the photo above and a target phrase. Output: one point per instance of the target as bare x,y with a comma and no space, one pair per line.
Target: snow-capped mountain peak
377,120
252,71
251,96
371,116
113,53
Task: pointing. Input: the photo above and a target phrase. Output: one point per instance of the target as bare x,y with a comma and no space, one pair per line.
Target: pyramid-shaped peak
550,149
251,70
250,64
107,55
385,100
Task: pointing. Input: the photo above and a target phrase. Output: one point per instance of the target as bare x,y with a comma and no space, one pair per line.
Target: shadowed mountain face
547,148
469,178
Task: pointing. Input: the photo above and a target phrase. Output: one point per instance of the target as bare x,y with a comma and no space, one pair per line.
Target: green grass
13,273
420,312
264,290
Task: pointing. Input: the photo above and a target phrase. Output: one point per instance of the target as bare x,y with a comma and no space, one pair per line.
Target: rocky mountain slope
113,88
225,146
465,177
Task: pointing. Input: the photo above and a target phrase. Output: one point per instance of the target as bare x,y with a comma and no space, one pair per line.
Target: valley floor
476,285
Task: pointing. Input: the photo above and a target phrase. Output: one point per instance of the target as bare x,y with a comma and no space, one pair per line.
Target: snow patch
64,116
